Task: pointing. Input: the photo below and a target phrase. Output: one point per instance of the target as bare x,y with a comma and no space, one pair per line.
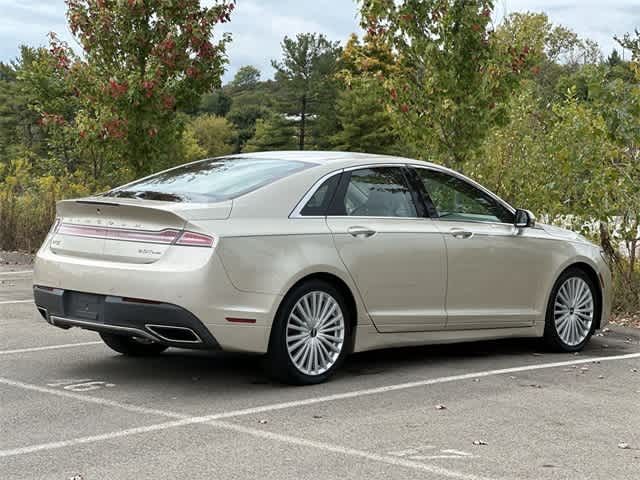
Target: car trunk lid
126,230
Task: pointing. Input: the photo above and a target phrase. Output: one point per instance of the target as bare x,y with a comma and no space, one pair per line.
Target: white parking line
183,420
48,347
11,302
21,272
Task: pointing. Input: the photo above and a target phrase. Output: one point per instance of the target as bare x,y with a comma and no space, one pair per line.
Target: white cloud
258,26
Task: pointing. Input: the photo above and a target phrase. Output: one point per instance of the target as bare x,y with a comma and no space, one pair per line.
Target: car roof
326,157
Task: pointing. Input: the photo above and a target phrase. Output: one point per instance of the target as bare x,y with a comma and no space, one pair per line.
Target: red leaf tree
142,61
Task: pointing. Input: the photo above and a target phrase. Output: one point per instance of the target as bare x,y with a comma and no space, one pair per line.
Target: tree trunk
303,122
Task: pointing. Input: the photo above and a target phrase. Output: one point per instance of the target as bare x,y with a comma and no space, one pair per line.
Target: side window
376,192
455,199
321,198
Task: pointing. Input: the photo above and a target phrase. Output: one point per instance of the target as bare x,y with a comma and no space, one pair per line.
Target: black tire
278,362
132,347
552,338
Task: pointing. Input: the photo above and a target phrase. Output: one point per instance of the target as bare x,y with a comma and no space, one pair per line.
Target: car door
395,254
494,269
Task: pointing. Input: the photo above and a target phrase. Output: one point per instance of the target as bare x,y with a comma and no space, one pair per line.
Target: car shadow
224,370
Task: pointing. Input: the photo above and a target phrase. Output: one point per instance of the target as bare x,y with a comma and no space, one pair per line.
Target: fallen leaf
600,377
624,446
441,407
317,416
634,370
480,442
262,422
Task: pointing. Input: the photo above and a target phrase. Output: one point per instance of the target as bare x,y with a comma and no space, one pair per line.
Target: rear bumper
161,322
186,279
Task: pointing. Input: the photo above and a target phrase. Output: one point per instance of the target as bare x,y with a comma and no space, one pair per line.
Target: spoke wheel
310,335
573,311
315,333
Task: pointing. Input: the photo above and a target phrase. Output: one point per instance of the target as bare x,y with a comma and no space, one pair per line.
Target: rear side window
211,180
319,202
376,192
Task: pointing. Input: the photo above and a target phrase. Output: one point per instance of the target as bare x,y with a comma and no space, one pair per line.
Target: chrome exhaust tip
174,334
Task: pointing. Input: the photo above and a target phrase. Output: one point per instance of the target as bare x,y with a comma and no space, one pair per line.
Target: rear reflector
241,320
168,236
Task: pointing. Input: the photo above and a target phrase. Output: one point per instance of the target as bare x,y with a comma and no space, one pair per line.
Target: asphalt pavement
70,408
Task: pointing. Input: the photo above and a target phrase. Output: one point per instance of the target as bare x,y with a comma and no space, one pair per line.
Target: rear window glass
211,180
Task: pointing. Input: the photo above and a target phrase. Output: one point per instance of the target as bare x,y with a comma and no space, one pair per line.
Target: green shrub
27,203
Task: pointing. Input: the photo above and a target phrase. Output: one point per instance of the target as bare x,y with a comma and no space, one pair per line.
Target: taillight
193,239
168,236
55,226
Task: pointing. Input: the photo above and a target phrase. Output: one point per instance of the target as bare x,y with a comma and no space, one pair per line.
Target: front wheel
310,334
132,346
571,312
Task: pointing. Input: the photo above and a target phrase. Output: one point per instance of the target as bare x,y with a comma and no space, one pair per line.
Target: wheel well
591,273
343,288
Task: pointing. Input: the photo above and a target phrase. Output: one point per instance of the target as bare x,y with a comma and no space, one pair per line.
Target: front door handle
459,233
361,232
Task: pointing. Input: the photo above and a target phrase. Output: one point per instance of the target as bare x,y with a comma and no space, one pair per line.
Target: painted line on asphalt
48,347
183,420
262,434
12,302
21,272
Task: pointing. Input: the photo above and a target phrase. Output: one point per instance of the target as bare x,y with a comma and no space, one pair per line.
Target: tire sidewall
280,364
550,330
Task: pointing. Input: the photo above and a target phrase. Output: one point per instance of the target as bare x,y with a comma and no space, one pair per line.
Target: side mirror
524,219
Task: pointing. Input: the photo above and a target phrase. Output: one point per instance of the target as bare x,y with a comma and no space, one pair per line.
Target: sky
258,26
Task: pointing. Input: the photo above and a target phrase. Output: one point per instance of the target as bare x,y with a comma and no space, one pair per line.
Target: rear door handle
458,233
361,232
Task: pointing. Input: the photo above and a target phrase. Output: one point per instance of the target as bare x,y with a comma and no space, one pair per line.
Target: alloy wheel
315,333
573,311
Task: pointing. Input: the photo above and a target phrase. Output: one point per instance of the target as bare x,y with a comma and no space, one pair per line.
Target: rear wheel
310,334
571,313
132,346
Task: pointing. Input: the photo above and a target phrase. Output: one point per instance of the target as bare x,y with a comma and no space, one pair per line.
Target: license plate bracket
84,306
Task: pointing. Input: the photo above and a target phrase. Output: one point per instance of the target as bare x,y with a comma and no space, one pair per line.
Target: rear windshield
213,180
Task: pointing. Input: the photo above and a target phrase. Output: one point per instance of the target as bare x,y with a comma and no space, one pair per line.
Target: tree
305,76
453,78
364,122
215,135
272,133
143,60
246,78
217,103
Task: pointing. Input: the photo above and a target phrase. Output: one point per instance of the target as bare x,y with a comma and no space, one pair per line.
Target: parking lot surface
72,408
